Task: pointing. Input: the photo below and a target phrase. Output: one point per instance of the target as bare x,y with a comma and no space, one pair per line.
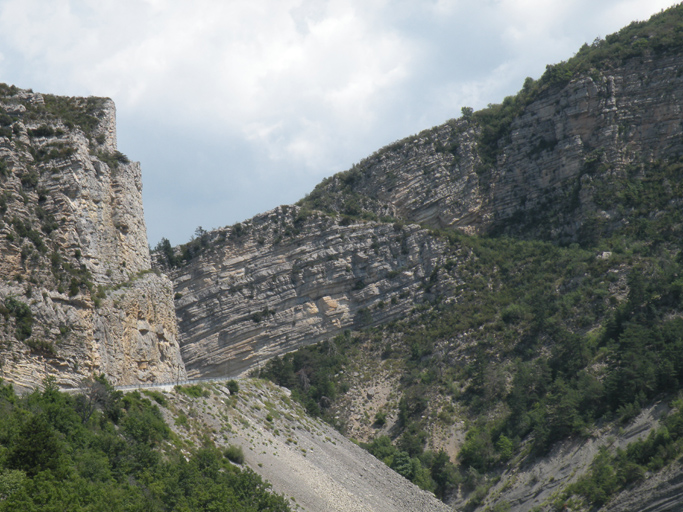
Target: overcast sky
234,107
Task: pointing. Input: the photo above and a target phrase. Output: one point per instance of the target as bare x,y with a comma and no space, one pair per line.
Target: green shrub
42,347
234,454
23,317
233,387
42,131
193,390
157,396
181,420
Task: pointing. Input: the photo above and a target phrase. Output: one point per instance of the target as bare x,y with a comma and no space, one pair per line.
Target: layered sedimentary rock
540,180
540,186
344,259
284,279
77,295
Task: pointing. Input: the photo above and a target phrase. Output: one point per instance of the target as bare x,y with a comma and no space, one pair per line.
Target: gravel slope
303,458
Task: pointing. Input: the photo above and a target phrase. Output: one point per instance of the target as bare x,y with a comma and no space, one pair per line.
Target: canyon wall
283,279
537,181
77,294
596,127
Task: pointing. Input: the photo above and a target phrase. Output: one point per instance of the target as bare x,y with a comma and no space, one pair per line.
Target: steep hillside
303,458
535,360
540,164
77,294
103,450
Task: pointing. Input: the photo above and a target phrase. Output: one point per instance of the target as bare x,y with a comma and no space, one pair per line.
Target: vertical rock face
592,129
77,296
285,279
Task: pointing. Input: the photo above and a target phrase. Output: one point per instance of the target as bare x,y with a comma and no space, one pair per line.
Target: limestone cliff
548,174
77,296
285,279
539,178
545,177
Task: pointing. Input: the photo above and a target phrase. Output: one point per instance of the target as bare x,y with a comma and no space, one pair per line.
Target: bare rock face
76,296
141,313
260,294
284,279
298,275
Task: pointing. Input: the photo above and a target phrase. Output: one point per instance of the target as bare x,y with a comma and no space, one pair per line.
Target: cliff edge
77,293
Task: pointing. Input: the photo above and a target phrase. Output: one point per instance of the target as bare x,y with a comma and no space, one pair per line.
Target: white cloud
233,66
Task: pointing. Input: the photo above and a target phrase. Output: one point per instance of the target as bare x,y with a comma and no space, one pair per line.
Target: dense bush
22,316
311,372
111,452
233,387
235,454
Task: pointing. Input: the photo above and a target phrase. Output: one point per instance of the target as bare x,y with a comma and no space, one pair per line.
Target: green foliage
51,151
42,131
238,231
429,470
157,396
233,387
165,250
193,390
612,472
312,373
24,229
77,278
81,112
113,159
660,35
36,448
53,460
234,454
505,447
477,451
42,347
262,315
30,179
22,316
199,243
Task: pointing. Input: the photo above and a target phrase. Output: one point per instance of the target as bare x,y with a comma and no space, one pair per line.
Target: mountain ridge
558,215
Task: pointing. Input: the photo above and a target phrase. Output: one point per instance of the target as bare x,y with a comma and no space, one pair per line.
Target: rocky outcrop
285,279
76,294
356,252
662,492
291,282
527,486
540,183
